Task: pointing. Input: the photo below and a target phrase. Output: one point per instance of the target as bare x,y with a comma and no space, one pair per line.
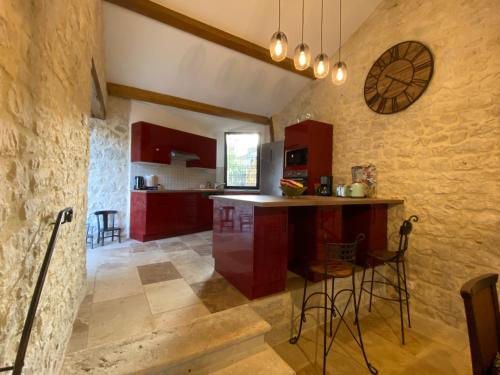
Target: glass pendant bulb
302,57
339,73
321,66
278,46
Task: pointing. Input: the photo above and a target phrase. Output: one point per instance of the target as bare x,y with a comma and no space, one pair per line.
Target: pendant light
302,55
321,62
339,73
279,43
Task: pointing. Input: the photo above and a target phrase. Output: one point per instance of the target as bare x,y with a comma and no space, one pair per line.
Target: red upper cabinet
317,138
152,143
296,136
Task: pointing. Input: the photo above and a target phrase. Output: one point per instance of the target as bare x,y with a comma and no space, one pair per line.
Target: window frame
257,187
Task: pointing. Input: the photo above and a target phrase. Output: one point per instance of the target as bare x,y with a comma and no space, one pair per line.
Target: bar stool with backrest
483,322
106,224
338,263
396,261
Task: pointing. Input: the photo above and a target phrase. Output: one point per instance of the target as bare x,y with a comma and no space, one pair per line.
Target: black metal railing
64,216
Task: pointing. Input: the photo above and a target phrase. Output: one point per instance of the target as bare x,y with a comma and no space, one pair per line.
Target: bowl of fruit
291,188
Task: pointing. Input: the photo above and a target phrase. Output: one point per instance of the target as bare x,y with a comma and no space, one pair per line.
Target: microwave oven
297,157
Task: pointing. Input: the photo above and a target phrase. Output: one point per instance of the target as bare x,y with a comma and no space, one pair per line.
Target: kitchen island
256,238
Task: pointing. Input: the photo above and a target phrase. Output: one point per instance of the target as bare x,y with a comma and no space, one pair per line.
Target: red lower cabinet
159,215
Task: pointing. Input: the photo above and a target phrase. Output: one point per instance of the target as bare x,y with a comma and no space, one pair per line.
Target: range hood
184,156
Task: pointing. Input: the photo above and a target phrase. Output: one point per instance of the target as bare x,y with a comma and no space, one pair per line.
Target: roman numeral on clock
394,51
395,104
422,66
373,99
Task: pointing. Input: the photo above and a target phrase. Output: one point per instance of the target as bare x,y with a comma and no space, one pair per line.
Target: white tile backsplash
175,176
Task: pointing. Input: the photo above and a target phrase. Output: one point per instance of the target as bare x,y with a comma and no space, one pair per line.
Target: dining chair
483,321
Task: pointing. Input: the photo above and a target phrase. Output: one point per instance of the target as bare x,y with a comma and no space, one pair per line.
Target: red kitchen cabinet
166,214
317,138
296,136
153,143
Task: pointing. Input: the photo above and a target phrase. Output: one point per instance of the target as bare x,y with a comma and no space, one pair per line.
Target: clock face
398,78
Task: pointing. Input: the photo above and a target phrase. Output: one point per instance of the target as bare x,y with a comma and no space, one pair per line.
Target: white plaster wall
108,185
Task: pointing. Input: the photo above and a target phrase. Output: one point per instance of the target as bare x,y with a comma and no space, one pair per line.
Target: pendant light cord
340,33
321,26
279,15
303,1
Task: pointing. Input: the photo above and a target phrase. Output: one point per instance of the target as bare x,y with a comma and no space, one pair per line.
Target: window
241,160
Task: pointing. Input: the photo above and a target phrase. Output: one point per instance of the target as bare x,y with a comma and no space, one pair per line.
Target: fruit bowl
292,191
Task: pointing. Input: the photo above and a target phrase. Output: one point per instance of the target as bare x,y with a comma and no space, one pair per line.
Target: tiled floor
135,288
431,348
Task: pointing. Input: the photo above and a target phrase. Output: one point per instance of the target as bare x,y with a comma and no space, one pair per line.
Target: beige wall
46,48
442,154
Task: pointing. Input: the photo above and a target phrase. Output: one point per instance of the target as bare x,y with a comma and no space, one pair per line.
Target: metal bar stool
339,262
396,261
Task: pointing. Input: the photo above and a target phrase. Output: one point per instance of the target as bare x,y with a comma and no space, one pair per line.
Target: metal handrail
64,216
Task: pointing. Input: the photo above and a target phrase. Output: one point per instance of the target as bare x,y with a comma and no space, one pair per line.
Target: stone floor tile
174,246
143,246
218,294
180,316
118,319
197,271
158,272
170,295
116,282
202,249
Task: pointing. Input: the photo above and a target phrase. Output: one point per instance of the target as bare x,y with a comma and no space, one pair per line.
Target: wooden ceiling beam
129,92
190,25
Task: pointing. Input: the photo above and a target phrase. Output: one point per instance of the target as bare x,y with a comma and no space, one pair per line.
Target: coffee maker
139,183
325,186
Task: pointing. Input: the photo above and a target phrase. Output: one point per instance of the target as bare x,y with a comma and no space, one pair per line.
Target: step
210,342
264,362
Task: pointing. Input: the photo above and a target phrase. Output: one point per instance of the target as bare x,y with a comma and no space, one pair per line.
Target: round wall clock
398,77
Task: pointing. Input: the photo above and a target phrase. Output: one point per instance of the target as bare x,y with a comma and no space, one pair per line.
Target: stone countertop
306,200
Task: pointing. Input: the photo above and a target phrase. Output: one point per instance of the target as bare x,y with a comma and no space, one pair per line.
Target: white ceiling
147,54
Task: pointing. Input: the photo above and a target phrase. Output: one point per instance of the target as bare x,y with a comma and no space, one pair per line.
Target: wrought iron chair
483,321
395,260
338,262
105,225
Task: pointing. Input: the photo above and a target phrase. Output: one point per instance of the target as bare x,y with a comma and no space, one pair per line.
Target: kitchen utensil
151,180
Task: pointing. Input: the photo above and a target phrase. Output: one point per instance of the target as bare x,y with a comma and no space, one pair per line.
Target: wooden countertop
305,200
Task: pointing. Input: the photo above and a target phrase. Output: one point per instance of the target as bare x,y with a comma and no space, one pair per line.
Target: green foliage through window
242,160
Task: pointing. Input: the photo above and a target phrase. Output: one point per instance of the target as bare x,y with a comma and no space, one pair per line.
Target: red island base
253,246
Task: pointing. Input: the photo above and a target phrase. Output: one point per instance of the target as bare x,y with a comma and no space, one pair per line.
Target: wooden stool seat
333,269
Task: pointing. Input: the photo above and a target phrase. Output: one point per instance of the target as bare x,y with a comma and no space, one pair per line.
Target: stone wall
441,155
108,187
46,48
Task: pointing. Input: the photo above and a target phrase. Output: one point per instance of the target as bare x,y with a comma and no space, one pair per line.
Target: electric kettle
358,190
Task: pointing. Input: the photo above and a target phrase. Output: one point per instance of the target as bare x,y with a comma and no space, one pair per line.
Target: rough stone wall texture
46,47
108,186
441,155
